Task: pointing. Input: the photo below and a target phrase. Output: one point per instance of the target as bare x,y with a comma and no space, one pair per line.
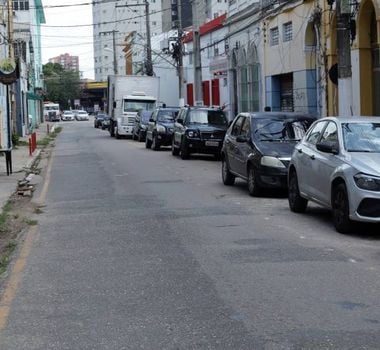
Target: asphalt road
138,249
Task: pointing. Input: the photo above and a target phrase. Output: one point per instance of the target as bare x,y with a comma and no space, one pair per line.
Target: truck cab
123,122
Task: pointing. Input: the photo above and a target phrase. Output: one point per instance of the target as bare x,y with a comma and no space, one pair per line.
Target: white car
67,115
337,165
82,115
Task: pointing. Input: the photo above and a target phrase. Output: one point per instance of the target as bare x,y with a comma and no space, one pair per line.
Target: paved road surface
138,249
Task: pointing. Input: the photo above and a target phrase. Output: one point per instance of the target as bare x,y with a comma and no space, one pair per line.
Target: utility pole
180,55
343,9
148,63
198,100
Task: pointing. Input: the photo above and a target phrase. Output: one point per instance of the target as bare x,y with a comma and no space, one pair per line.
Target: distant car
82,115
98,119
160,127
337,165
199,130
258,147
67,116
141,125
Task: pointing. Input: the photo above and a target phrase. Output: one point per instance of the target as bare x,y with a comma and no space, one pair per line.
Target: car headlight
367,182
192,134
160,129
272,162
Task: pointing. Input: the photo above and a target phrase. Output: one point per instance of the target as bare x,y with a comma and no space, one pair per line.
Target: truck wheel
112,130
155,143
148,143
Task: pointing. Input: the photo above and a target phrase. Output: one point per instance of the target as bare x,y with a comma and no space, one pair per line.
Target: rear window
207,117
288,129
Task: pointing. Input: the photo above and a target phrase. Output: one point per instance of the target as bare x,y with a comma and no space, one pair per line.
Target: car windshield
361,137
137,105
82,112
290,129
166,116
207,117
145,116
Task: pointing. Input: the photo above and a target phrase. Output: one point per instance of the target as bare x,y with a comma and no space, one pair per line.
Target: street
137,249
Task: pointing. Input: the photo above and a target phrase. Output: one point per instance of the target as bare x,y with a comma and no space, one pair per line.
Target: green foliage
61,85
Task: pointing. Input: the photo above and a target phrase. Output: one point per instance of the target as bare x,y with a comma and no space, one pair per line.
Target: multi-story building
28,15
113,23
67,61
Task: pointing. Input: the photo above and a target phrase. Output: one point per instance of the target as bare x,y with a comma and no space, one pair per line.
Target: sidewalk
21,163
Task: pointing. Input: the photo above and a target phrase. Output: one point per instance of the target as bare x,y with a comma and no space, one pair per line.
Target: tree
62,85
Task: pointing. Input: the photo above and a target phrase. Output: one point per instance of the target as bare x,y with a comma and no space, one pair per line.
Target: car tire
139,137
227,177
148,143
297,204
340,209
253,187
184,151
155,143
175,150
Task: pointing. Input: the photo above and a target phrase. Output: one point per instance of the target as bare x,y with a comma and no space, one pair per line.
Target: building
67,61
117,26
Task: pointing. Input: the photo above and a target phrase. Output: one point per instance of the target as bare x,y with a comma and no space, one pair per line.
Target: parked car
160,127
67,115
98,119
199,130
106,123
141,125
337,165
258,147
82,115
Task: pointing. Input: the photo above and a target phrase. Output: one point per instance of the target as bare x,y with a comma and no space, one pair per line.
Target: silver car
337,165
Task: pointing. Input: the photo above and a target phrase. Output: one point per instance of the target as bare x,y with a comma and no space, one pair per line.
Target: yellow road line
19,266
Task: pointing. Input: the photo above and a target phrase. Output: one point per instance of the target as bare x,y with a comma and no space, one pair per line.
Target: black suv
160,127
258,147
199,130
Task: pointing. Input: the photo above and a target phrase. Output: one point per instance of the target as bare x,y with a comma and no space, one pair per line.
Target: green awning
33,96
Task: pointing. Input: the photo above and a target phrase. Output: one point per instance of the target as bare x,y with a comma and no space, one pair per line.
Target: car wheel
148,143
134,137
227,177
139,137
297,204
184,151
155,143
175,150
253,186
340,209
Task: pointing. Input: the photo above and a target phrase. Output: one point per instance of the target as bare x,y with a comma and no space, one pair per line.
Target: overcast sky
58,38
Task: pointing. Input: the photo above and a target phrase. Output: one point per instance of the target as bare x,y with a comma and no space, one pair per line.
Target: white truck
126,95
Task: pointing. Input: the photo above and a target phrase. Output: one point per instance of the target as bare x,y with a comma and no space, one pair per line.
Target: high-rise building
121,28
67,61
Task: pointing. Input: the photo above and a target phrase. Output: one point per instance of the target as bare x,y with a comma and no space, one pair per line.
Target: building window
22,5
287,31
274,34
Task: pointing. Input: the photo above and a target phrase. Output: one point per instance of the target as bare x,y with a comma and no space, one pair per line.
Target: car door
305,156
179,128
230,143
243,149
151,125
324,164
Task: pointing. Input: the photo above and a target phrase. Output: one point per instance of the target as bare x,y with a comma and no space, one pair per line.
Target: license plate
212,143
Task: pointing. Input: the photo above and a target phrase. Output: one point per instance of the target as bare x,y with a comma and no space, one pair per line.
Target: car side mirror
328,147
180,121
241,139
